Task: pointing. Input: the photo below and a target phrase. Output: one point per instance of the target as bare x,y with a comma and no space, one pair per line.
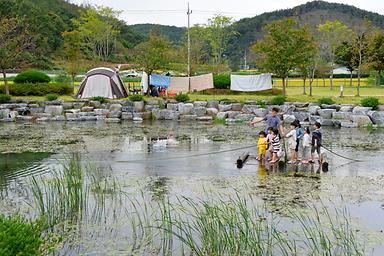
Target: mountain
173,33
313,13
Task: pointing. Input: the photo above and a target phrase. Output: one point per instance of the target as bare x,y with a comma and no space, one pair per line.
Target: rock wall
345,115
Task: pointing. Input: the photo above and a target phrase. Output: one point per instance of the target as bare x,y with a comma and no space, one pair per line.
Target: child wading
262,145
269,141
275,145
306,146
316,142
299,136
292,141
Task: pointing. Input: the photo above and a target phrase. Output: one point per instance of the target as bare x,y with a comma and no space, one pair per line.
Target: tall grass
64,196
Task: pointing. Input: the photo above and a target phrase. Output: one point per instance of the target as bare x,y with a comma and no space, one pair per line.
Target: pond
151,163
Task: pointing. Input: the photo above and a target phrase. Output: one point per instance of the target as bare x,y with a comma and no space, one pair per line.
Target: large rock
138,106
260,112
200,104
346,108
199,111
115,107
233,114
301,104
377,117
185,108
170,114
54,110
152,102
67,105
222,115
126,116
114,114
78,104
205,119
333,106
380,108
236,107
95,103
361,110
361,120
313,110
158,114
301,116
289,118
173,106
326,113
342,115
4,113
87,109
213,104
212,111
326,122
226,107
249,109
150,107
245,117
101,112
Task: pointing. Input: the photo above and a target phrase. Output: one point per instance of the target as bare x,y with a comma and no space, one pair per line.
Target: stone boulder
101,112
205,119
213,104
260,112
326,122
185,108
333,106
249,109
313,110
115,107
224,108
289,118
222,115
4,113
342,115
301,116
212,111
170,114
377,117
236,107
87,109
54,110
326,113
361,110
245,117
126,116
138,106
188,117
233,114
346,108
301,104
361,120
114,114
199,111
348,125
197,104
95,103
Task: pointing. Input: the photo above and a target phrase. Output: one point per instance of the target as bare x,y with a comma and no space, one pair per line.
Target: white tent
104,82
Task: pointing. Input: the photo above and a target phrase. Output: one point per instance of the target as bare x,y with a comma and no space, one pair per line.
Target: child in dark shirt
316,141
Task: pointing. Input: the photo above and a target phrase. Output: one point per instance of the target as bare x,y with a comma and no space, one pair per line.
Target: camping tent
104,82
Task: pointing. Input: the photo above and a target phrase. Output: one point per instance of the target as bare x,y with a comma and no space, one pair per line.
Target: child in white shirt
306,146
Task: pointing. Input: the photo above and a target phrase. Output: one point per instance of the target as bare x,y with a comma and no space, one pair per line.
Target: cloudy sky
173,12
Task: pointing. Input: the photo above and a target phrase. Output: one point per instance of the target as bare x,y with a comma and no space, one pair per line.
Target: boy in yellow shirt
262,145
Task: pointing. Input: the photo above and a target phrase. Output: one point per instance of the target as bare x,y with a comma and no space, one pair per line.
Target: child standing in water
299,136
269,141
316,141
262,145
292,141
275,145
306,146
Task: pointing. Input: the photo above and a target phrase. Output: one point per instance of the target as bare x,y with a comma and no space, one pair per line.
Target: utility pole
189,12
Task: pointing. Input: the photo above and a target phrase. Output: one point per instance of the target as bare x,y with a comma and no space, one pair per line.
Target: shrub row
222,81
32,76
39,89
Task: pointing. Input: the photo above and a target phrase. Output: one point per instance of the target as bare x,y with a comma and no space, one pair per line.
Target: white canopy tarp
251,83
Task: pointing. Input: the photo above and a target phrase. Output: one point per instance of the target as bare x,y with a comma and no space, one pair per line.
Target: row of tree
289,46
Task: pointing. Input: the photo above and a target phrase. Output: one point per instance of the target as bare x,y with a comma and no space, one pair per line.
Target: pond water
171,159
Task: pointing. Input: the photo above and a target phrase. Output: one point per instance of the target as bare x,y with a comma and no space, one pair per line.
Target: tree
154,53
333,32
16,45
98,30
376,54
281,49
306,56
345,57
360,48
72,52
219,31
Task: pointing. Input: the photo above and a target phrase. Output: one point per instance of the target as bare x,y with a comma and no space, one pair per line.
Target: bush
136,97
99,99
222,81
278,100
19,237
32,76
39,89
4,98
63,79
370,102
326,101
52,96
182,97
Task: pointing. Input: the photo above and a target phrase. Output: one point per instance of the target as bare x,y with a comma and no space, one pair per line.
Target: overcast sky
173,12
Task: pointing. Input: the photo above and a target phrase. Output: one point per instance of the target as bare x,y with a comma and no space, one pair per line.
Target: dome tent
103,82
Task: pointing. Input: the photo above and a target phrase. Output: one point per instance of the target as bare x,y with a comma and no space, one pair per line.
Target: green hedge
222,81
38,89
32,76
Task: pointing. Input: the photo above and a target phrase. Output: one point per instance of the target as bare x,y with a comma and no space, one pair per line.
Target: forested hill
173,33
313,13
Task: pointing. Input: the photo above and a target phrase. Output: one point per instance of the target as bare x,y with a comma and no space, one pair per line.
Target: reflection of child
306,146
261,145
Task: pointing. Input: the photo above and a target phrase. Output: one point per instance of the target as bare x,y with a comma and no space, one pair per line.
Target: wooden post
242,160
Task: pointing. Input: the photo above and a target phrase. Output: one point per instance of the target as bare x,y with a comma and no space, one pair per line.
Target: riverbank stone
361,110
326,113
54,110
376,117
361,120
